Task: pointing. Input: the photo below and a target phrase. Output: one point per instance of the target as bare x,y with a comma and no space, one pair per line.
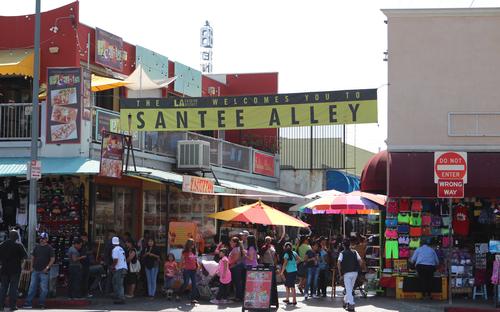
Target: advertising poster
111,165
180,232
86,94
263,164
258,290
109,50
250,112
64,107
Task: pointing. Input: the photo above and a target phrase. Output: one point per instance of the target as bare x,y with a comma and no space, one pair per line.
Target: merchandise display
409,223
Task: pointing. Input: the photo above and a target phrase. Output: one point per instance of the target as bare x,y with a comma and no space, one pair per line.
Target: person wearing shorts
290,259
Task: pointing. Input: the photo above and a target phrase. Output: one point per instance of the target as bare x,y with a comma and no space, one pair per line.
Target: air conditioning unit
193,155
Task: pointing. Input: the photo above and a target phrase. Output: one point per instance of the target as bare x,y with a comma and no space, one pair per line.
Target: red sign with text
450,189
450,166
263,164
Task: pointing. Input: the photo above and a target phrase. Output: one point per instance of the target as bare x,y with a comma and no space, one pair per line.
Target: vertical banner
111,165
86,93
109,50
263,164
64,105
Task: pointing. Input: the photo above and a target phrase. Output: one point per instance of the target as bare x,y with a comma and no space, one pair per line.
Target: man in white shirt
119,268
349,263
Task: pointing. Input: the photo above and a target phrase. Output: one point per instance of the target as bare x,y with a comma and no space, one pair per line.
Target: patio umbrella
342,204
258,213
324,194
378,198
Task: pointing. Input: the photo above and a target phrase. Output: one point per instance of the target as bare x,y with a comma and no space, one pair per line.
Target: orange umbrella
258,213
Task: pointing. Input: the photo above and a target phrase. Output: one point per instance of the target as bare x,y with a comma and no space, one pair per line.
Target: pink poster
258,290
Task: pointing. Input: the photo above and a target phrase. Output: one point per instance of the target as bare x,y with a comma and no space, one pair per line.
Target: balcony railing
15,121
222,153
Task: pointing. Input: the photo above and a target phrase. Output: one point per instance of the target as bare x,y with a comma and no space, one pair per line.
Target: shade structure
100,83
258,213
17,62
377,198
324,194
342,204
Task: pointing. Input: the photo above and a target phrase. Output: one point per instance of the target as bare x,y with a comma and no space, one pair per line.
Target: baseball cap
77,240
44,235
245,233
115,241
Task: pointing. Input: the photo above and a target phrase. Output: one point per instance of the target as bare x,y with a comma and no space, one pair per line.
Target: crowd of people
126,268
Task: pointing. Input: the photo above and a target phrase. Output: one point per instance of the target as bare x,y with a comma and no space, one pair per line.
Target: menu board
111,165
64,105
258,290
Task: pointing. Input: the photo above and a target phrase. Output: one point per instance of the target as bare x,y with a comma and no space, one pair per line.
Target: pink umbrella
342,204
378,198
327,193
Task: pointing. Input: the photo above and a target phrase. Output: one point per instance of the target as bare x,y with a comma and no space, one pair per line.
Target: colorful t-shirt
252,253
223,271
460,220
291,265
190,260
169,268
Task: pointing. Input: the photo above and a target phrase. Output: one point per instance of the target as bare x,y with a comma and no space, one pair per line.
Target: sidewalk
314,305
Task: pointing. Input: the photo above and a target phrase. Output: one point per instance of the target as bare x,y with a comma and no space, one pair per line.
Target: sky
313,45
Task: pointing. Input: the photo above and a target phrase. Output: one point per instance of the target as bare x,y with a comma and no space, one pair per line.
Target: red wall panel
18,33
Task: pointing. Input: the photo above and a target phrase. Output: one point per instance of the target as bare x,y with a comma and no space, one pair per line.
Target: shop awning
256,190
17,62
412,175
100,83
16,166
374,175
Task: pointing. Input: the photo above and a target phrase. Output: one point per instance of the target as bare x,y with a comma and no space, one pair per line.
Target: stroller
207,282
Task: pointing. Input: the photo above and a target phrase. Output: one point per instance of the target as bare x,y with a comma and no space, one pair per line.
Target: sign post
450,175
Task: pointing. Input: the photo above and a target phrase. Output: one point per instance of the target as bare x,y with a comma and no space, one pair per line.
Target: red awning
374,175
412,175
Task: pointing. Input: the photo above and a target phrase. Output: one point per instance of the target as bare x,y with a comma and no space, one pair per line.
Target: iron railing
15,121
222,153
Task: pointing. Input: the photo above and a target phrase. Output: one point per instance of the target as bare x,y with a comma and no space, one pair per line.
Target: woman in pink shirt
189,265
224,278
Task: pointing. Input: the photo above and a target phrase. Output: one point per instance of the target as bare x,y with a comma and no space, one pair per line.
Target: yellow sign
250,112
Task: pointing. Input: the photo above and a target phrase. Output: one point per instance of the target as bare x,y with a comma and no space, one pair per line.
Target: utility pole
34,132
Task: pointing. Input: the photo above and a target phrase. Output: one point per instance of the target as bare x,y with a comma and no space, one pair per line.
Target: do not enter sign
450,166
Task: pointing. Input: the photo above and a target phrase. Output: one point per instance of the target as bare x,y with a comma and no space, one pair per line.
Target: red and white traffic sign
450,166
450,189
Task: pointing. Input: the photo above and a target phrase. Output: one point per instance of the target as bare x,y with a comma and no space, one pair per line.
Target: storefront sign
34,170
86,93
109,50
251,112
111,165
193,184
64,105
263,164
180,232
450,189
258,290
450,166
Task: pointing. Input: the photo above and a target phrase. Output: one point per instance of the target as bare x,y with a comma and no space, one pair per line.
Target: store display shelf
57,222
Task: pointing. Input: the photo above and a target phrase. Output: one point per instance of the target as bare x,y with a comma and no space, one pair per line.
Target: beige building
444,79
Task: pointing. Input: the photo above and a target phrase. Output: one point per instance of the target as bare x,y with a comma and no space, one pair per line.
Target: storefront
414,214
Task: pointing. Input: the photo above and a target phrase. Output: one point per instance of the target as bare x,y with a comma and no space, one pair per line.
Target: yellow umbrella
100,83
258,213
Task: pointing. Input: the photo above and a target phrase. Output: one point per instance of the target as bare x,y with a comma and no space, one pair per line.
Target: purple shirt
252,253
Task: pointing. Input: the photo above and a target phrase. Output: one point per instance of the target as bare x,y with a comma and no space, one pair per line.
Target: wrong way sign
450,189
450,166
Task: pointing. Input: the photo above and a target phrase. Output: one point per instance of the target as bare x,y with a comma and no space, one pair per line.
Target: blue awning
16,166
